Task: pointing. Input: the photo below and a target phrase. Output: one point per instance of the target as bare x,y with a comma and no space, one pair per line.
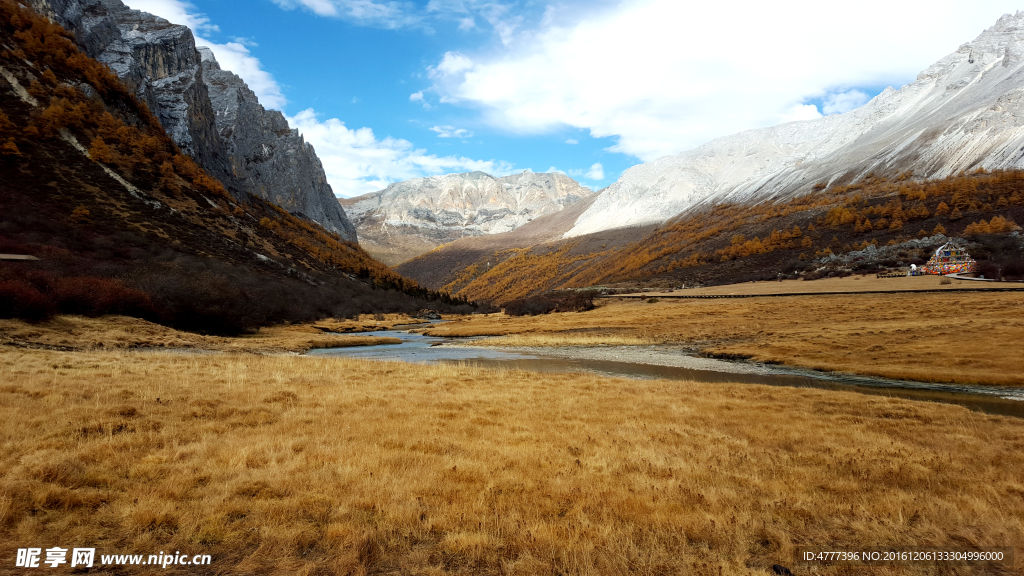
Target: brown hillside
125,223
445,264
731,243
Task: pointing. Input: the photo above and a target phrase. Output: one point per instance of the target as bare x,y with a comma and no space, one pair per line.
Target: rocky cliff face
412,217
252,152
963,112
155,58
270,159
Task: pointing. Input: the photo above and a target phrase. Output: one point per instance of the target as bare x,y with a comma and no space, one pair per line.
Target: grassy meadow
286,464
957,337
68,333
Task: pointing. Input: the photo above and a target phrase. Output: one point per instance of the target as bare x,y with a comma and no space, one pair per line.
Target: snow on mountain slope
965,111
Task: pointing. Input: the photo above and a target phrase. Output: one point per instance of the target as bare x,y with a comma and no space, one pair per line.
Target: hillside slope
866,226
124,222
250,150
409,218
964,111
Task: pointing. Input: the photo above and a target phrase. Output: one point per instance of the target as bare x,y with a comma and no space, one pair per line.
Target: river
675,363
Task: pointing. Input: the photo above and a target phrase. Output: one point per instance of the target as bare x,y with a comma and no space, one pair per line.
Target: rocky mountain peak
251,150
268,157
411,217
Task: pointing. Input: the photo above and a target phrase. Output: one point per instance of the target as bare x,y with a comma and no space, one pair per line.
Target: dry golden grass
846,284
118,332
958,337
303,465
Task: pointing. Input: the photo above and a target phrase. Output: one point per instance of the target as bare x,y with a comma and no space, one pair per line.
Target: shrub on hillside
90,296
988,269
1013,269
570,301
19,299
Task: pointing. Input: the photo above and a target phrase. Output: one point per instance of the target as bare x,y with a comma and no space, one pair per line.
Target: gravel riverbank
674,356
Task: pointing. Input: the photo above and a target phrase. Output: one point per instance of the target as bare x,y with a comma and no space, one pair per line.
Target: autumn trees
840,218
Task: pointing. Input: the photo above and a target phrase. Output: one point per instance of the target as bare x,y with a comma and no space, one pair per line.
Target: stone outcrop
269,158
252,153
409,218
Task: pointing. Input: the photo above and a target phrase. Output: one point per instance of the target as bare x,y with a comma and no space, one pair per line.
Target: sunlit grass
120,332
971,338
287,464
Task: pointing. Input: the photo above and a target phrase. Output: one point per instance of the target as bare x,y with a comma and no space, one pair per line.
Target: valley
697,365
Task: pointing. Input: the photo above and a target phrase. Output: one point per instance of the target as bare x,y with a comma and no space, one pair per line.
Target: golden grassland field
962,337
122,332
287,464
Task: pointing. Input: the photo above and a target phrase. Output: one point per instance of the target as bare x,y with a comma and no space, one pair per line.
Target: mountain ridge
941,155
964,111
411,217
270,157
161,63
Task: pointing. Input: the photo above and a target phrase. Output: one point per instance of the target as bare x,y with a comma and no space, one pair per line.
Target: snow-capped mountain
965,111
409,218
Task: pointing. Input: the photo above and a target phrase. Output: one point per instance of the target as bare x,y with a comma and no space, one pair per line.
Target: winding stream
673,362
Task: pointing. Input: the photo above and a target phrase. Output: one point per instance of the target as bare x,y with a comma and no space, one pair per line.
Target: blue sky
390,90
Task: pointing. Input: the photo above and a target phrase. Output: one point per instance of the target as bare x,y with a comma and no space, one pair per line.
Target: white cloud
505,24
572,141
844,102
418,97
595,172
451,132
176,12
237,58
406,14
320,7
364,12
233,56
451,64
663,76
357,162
800,112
